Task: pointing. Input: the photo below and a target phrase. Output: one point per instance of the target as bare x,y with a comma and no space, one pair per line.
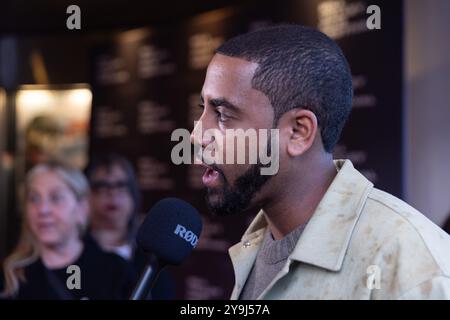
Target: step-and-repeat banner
146,83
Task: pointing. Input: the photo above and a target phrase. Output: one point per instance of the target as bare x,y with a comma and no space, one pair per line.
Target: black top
103,276
164,287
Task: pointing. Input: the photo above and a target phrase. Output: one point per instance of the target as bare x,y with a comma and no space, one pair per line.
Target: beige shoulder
412,252
409,227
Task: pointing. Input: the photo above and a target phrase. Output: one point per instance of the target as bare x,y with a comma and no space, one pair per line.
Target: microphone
167,236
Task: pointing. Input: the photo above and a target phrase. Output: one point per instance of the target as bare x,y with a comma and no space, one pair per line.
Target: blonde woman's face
53,211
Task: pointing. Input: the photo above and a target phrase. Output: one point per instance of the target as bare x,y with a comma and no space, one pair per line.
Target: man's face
229,102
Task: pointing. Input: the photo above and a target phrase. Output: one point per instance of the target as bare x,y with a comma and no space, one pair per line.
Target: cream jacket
360,243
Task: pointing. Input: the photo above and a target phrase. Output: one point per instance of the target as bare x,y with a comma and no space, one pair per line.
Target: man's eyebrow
216,102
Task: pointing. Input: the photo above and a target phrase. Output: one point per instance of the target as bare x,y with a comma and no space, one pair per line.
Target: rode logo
186,234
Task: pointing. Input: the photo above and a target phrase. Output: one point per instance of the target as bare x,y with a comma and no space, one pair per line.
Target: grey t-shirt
270,260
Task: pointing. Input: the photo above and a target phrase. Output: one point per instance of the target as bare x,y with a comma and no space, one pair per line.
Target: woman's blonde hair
26,252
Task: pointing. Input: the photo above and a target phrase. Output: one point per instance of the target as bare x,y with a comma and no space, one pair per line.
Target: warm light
80,96
34,97
73,104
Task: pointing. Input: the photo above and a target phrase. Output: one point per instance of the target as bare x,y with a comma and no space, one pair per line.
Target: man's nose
197,135
194,134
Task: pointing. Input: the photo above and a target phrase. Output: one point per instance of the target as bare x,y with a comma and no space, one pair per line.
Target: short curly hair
299,67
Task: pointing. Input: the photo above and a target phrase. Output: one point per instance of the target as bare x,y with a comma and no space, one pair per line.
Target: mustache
213,166
200,155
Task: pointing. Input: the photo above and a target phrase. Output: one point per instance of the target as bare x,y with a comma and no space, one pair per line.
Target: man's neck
298,199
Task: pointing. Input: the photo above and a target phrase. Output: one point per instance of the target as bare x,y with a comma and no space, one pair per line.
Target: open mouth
210,177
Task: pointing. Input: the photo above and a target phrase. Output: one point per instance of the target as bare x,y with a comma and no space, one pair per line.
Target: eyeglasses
103,187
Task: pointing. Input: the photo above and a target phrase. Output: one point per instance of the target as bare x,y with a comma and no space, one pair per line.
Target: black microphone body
147,279
169,233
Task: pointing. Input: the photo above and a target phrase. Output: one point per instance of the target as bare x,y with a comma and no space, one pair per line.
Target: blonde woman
51,261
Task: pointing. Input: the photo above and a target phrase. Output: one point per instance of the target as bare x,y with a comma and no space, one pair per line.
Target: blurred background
133,73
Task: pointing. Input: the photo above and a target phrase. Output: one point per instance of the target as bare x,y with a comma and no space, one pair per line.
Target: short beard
237,198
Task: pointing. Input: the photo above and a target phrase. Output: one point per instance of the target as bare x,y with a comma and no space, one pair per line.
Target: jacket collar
326,237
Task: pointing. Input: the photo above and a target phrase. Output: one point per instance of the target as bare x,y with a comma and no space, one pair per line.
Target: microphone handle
147,279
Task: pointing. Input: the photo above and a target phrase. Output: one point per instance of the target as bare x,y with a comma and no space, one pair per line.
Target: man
323,230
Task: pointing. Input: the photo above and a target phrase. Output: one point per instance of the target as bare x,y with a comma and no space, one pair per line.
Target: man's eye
221,116
202,106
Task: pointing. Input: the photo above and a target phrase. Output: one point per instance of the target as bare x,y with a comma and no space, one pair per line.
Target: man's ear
299,128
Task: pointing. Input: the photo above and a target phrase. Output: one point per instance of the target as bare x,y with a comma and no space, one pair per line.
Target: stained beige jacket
361,243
